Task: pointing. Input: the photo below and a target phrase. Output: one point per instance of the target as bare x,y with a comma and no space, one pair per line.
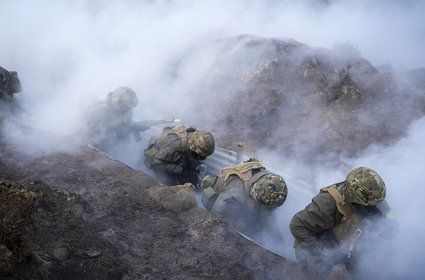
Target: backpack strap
182,132
343,207
243,171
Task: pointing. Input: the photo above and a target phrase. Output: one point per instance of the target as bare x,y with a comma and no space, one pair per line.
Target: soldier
10,89
109,122
244,195
327,230
177,153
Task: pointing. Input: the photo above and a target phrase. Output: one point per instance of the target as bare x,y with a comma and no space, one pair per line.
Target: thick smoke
401,167
71,53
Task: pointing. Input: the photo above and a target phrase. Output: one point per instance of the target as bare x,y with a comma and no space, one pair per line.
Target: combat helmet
123,99
201,143
365,187
268,188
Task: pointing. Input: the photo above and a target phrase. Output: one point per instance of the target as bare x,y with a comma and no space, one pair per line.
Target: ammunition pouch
209,196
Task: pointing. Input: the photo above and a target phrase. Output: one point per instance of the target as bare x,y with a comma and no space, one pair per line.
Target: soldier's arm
381,220
317,217
169,157
230,202
95,117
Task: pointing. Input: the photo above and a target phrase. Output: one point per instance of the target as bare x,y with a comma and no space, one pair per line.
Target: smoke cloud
70,54
401,167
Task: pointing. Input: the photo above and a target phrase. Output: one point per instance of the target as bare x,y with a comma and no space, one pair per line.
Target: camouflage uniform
172,158
108,122
10,89
244,195
324,229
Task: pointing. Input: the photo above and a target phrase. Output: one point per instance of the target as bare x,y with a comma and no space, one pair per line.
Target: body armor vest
243,171
350,220
182,133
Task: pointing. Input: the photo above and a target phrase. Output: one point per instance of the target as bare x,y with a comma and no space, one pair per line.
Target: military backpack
181,131
213,187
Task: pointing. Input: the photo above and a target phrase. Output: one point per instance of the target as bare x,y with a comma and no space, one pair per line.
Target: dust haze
70,54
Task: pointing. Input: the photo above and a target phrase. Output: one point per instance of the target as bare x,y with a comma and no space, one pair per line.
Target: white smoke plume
401,166
71,53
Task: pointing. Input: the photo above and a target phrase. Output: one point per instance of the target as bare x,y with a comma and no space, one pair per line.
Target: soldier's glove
208,182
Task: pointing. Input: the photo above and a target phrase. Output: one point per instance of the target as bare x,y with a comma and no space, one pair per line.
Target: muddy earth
83,215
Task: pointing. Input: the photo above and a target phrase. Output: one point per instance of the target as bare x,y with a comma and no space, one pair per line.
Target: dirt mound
285,96
45,236
95,218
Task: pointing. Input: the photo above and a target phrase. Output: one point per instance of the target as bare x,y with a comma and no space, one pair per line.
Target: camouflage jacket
106,126
322,214
314,229
235,205
170,157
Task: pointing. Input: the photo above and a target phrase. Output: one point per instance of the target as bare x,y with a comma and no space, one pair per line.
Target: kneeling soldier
176,154
244,195
328,228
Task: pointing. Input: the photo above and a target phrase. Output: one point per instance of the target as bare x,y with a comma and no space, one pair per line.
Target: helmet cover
270,189
201,143
364,186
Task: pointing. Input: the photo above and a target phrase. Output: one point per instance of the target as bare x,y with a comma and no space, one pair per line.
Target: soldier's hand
189,185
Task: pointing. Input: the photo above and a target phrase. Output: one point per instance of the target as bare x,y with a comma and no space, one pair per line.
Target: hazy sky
71,53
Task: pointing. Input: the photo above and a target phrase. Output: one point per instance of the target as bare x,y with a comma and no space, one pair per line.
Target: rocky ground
82,215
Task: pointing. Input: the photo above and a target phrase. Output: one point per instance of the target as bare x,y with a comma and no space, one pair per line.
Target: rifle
137,127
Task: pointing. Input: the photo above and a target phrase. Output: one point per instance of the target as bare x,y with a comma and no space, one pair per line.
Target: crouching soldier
177,153
108,122
329,229
244,195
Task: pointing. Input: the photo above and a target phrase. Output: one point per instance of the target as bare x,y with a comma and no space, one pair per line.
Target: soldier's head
365,187
123,99
201,144
269,189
